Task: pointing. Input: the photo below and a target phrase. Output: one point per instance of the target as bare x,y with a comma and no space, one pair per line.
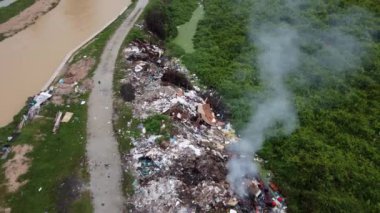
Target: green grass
54,157
128,181
187,31
14,9
153,124
122,131
83,204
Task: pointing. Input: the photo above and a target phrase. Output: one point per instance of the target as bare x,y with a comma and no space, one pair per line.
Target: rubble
186,172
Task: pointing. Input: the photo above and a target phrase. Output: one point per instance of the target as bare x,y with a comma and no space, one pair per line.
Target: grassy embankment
182,12
56,159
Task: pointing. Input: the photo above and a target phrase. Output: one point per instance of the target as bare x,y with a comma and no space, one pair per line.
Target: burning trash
183,167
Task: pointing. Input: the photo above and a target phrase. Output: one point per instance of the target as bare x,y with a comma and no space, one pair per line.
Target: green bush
153,124
330,164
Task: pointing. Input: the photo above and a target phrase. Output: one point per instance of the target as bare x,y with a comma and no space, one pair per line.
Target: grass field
54,157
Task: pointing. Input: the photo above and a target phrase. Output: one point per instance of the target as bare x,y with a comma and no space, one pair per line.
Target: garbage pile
185,172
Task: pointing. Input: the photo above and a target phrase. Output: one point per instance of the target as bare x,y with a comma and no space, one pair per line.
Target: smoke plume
287,41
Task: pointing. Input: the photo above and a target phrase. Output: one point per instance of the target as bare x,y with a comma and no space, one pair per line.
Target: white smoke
279,40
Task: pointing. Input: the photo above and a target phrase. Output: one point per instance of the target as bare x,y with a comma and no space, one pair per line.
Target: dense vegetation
331,162
163,17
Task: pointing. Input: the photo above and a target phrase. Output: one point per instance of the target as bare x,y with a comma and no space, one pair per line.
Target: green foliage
187,31
174,50
331,163
128,180
222,54
180,11
135,34
153,125
123,131
156,19
162,17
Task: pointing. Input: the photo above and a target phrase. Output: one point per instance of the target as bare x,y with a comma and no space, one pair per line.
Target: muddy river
29,58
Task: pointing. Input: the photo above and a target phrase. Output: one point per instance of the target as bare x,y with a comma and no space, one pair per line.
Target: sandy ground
26,17
17,166
102,147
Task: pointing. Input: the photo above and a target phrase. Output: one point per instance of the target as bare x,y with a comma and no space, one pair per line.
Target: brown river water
29,58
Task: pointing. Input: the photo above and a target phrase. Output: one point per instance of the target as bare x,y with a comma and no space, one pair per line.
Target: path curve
102,147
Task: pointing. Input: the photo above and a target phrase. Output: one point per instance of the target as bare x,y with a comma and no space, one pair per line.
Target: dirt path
102,147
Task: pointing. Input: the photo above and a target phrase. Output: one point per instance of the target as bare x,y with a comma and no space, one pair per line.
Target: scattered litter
186,170
82,102
5,150
67,117
57,122
207,114
40,189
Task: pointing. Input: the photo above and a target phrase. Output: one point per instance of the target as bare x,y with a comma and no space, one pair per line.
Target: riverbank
58,174
53,36
23,15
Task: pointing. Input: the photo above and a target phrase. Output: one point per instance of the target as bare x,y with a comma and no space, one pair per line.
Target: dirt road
102,147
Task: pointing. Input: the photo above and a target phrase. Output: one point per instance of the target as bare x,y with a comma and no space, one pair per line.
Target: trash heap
186,171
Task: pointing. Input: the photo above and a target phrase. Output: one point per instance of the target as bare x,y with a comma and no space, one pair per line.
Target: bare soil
75,73
27,17
17,166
